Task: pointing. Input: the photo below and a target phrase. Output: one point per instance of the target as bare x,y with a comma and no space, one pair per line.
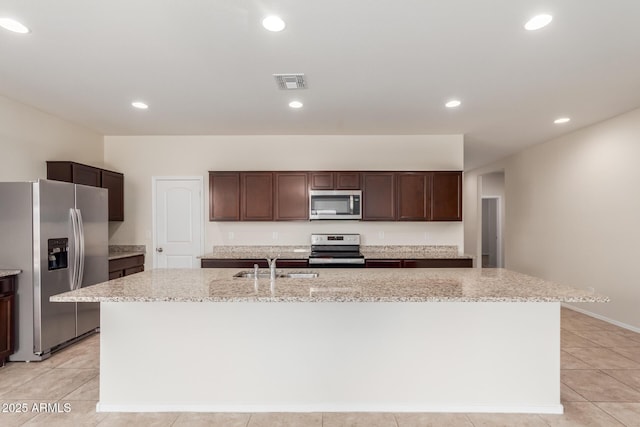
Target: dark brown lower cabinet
438,263
383,263
420,263
249,263
121,267
7,318
369,263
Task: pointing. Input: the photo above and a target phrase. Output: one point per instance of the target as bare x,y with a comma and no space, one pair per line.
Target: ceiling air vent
291,81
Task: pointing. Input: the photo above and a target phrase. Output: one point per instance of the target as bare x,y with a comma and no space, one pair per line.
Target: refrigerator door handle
73,276
81,246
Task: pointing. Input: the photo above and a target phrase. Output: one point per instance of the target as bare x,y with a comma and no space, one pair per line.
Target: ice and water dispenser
57,253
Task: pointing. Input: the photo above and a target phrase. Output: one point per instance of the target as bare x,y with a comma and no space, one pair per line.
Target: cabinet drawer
383,263
7,285
124,263
438,263
232,263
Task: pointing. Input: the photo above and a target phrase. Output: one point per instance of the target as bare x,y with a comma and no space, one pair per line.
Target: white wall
141,157
29,137
572,213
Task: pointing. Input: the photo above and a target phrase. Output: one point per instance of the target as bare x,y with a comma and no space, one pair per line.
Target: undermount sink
302,275
250,274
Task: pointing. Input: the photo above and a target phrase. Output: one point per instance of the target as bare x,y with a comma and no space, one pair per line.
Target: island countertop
332,285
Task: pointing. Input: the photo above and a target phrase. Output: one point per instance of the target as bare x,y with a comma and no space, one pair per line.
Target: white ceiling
373,66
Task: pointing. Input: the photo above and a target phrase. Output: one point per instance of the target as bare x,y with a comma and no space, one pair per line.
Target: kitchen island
448,340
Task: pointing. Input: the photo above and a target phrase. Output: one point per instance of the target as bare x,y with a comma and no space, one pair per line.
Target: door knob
158,249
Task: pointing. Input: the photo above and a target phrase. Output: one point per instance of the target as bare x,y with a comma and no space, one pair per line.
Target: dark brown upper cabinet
257,196
114,182
446,196
340,180
78,173
413,196
386,196
224,196
74,172
378,194
291,196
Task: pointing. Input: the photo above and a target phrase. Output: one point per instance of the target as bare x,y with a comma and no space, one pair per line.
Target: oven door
335,204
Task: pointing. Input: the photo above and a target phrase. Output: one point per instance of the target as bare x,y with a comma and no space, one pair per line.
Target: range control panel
335,239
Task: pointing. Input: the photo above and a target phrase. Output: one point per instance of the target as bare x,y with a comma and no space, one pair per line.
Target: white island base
330,357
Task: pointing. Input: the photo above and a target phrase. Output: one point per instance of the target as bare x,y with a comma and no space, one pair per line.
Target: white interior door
178,222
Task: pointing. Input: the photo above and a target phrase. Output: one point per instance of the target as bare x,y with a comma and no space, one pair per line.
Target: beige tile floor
600,386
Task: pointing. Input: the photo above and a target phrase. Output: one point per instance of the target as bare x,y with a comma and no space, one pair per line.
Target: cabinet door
224,196
347,180
292,196
257,196
86,175
446,196
6,327
116,274
413,196
114,182
378,194
321,180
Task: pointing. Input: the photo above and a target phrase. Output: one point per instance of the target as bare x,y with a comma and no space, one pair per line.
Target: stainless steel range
336,250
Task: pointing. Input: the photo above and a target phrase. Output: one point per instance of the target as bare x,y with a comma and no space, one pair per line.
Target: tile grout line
608,413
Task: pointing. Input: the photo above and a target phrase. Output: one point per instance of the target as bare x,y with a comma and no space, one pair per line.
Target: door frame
499,260
154,188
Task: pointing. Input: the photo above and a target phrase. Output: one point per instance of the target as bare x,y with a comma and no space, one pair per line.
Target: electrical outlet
274,235
381,235
426,236
591,289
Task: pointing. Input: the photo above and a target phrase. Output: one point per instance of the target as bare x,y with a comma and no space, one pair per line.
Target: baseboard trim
329,407
601,317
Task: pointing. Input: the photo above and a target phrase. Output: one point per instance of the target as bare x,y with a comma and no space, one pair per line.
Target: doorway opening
491,207
491,250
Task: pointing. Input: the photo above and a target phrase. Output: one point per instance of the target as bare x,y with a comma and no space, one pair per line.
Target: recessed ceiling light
561,120
13,25
140,105
273,23
295,104
453,103
538,22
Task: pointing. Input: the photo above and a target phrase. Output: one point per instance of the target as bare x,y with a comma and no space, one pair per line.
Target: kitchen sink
250,274
302,275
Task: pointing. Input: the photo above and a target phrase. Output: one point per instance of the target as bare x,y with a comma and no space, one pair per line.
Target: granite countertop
5,273
125,251
369,252
258,252
332,285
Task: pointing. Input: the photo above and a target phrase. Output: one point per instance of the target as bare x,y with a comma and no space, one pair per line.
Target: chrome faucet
271,263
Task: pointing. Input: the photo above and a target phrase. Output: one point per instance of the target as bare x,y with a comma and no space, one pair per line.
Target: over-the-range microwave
335,204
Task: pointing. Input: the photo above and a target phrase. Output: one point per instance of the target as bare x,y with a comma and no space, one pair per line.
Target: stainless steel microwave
335,204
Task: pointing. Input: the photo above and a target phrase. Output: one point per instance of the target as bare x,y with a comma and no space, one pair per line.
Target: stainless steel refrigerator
57,234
